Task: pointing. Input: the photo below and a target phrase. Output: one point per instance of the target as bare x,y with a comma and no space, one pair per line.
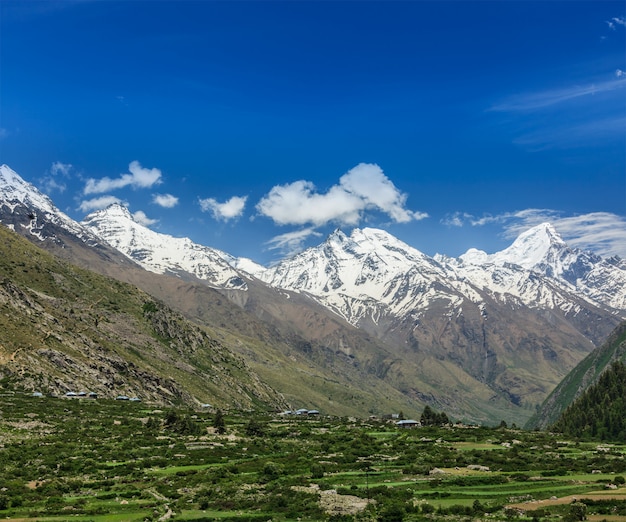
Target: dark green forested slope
584,375
600,412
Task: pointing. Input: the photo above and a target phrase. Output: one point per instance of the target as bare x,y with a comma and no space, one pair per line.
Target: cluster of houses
91,395
408,423
301,411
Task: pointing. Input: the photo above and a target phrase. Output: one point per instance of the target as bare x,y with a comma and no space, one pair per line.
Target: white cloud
291,243
603,233
62,169
615,21
50,182
365,187
231,209
165,200
141,218
138,177
3,133
90,205
456,220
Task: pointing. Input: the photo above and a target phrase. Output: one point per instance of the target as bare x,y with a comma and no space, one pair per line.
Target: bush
317,471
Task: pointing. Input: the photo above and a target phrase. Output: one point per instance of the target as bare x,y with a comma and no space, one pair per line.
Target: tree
430,417
218,422
254,428
427,416
576,511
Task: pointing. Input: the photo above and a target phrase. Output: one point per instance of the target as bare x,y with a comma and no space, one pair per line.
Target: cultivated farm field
82,459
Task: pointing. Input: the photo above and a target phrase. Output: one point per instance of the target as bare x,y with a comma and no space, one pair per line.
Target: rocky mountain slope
377,323
65,329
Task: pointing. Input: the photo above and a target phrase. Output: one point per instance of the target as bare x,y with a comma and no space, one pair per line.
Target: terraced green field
71,459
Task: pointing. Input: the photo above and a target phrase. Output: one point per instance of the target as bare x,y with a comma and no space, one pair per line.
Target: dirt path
529,505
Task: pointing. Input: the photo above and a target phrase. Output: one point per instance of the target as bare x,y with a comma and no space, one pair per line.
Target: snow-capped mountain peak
115,211
37,209
13,189
162,253
532,247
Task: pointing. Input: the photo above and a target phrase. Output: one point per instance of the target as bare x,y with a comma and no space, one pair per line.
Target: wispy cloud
141,218
603,233
61,169
291,243
585,115
138,177
51,182
363,188
165,200
101,202
543,99
591,132
231,209
456,219
615,22
3,133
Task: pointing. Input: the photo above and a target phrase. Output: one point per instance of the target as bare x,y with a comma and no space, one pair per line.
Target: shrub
317,471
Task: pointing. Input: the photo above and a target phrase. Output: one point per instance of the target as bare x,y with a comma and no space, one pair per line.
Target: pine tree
218,422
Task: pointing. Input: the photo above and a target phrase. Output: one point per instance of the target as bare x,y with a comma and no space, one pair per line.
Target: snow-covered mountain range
365,274
370,273
481,333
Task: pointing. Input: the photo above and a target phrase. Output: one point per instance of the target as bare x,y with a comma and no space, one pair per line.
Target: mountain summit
32,210
162,253
532,248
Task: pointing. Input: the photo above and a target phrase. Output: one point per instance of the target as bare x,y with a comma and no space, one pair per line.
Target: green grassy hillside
66,329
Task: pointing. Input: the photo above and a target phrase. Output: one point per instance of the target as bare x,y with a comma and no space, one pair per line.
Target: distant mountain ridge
371,272
161,253
537,270
482,337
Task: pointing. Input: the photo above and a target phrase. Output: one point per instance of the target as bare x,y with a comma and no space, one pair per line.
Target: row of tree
430,417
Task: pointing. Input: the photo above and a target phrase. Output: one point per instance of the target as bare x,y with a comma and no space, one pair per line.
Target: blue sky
259,127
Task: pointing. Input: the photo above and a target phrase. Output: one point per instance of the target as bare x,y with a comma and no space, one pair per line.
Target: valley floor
113,461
